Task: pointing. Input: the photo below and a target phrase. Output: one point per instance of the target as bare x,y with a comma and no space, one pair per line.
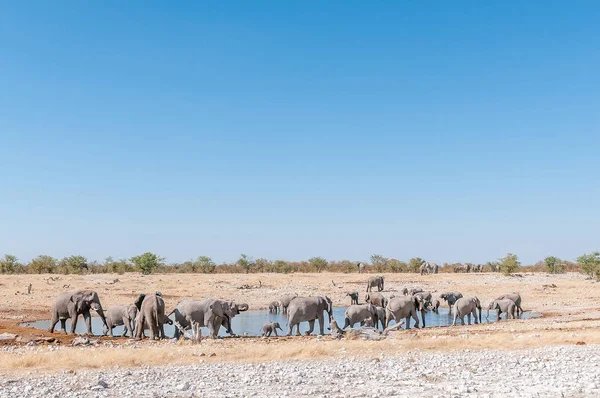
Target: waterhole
251,322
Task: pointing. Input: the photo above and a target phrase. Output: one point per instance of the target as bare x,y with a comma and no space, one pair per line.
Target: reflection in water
251,322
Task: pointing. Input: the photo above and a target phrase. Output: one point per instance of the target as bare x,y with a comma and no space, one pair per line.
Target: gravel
570,371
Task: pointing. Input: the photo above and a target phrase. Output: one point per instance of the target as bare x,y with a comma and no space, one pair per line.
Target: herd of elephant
147,312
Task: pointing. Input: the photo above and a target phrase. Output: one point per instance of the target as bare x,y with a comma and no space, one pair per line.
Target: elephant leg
298,329
275,331
88,321
211,329
321,319
455,317
423,317
53,322
407,320
311,327
63,325
74,323
416,318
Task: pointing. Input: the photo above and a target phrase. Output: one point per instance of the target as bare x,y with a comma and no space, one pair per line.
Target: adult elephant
514,297
358,313
506,306
400,308
424,300
361,267
467,306
377,299
436,268
425,268
70,305
151,315
308,309
207,313
375,281
286,300
450,298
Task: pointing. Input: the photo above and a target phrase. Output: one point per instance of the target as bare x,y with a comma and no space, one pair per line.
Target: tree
555,265
147,262
318,263
590,264
414,264
205,265
73,265
246,263
509,264
42,264
9,264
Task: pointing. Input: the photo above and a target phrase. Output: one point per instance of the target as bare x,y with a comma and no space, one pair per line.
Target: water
251,322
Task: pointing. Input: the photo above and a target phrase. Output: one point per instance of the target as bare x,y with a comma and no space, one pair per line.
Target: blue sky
454,132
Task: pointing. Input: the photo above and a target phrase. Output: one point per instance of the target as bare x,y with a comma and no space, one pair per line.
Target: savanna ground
571,315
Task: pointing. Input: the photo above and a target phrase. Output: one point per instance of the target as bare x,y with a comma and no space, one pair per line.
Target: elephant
400,308
375,281
285,301
435,306
274,307
477,268
353,297
357,313
70,305
514,297
451,298
361,267
121,315
426,268
424,301
460,268
506,305
269,328
308,309
151,315
377,299
380,317
436,268
467,306
207,313
412,291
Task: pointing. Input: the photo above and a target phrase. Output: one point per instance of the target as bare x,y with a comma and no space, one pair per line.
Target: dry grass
570,313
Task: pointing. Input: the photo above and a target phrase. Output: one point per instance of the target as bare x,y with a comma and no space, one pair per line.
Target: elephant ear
79,299
139,300
217,308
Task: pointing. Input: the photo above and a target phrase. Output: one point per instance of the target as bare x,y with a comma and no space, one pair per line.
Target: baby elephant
269,328
274,307
353,297
121,315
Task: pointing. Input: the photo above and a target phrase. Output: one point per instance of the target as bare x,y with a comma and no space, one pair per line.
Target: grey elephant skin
151,315
70,305
269,328
121,315
377,299
358,313
506,306
514,297
400,308
361,267
353,297
308,309
207,313
467,306
274,307
375,281
451,298
380,317
285,301
424,302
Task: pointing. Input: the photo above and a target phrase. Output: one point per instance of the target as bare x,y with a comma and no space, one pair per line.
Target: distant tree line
148,263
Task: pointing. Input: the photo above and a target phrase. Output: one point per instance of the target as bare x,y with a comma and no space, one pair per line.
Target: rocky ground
558,371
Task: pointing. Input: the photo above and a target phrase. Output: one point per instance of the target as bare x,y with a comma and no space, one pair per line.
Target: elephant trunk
243,307
101,314
488,314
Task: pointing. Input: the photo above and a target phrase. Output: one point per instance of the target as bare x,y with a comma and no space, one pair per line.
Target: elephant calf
274,307
506,306
353,297
121,315
269,328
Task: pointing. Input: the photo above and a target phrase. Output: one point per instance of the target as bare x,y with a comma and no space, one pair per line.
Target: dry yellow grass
571,316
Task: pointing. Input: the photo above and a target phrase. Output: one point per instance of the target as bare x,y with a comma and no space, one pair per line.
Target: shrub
509,264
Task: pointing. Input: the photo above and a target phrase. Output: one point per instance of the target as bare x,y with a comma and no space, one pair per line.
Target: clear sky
453,131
